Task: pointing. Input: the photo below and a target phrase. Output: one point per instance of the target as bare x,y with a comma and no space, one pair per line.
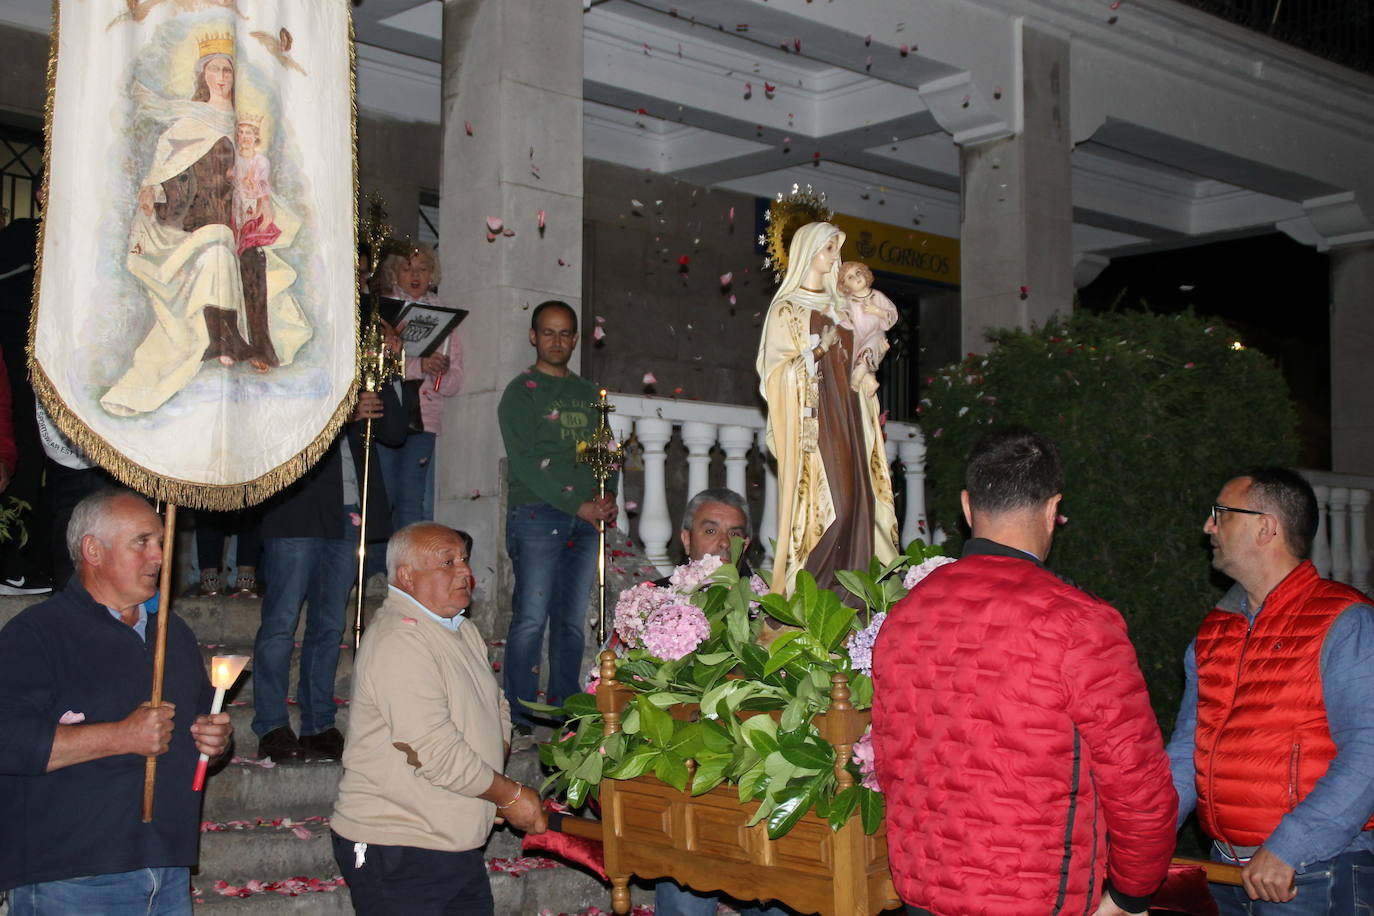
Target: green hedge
1151,413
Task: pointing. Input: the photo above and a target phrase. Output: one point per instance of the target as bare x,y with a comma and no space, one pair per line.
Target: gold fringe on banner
213,497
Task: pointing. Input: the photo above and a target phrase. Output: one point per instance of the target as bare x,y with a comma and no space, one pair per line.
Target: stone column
1352,340
512,146
1016,237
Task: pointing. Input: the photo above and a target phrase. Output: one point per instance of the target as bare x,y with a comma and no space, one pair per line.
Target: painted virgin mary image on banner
208,292
196,323
835,507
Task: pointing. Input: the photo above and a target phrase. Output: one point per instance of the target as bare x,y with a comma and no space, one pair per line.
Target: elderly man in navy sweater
75,672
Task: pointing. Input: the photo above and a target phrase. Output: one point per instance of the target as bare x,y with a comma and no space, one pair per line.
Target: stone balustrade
1341,548
706,431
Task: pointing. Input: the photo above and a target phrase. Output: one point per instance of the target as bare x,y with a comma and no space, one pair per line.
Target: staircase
267,825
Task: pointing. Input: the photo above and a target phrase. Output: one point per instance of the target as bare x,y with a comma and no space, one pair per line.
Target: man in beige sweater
427,741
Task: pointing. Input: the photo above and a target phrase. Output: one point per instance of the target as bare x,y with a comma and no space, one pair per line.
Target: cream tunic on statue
186,272
825,482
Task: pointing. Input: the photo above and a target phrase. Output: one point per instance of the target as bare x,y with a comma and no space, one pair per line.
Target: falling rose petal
642,111
562,263
302,832
732,214
677,391
508,233
683,260
868,62
543,463
631,505
495,223
769,88
598,333
541,216
531,384
726,277
638,205
732,298
649,379
786,141
904,50
868,40
1116,4
600,319
475,494
796,44
552,415
467,127
491,236
816,154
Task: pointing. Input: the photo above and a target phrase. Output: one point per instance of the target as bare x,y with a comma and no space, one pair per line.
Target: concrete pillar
512,73
1352,340
1016,241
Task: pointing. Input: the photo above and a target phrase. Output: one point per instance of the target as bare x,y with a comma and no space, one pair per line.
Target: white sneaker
20,586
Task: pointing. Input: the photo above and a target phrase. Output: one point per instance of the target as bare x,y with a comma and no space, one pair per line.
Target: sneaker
211,583
22,585
327,745
523,738
280,744
246,584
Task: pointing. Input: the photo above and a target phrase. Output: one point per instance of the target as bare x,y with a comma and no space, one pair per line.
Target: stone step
332,903
242,791
267,853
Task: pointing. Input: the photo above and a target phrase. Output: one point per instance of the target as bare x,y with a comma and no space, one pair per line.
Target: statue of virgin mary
835,507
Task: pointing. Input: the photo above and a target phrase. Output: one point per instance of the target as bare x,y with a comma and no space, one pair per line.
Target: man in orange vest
1275,737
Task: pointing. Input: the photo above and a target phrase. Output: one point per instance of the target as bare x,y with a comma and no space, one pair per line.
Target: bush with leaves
741,712
1151,414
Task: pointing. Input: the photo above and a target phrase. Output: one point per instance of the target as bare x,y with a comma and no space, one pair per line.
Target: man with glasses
1274,743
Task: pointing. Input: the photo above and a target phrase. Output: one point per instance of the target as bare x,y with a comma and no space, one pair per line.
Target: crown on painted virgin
252,119
215,43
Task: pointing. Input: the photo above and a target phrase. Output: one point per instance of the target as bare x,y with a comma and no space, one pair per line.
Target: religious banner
195,328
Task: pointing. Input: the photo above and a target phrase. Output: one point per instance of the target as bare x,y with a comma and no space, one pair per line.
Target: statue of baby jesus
871,314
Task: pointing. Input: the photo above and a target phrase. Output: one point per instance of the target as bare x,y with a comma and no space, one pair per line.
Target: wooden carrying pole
164,602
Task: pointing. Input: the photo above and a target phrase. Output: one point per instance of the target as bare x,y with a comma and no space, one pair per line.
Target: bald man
430,729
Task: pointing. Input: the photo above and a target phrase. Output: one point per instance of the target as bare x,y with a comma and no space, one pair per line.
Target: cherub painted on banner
207,233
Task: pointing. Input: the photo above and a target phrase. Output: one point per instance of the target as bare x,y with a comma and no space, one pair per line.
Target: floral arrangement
709,694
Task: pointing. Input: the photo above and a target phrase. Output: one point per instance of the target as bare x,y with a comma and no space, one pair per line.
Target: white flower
921,570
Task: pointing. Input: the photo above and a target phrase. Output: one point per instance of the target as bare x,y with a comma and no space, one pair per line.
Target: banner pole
164,603
362,536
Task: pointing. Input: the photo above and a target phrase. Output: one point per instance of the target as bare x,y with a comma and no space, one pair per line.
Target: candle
224,670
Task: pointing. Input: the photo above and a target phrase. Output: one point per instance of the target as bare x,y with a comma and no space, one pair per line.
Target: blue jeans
672,900
142,892
1343,886
405,470
320,572
554,556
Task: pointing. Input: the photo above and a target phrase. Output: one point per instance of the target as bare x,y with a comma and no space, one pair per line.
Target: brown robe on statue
848,542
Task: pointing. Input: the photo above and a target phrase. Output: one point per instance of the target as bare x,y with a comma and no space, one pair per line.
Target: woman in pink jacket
409,469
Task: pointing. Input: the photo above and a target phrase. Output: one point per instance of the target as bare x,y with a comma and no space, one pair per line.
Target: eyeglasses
1218,508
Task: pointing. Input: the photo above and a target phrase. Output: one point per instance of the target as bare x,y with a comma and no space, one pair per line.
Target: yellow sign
900,251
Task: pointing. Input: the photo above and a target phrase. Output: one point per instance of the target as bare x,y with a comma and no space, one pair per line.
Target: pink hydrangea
863,757
921,570
693,574
634,608
675,630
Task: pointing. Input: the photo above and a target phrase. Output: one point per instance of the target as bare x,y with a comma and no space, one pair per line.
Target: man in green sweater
552,513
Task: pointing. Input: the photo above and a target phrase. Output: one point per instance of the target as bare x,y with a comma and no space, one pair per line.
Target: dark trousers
917,911
408,881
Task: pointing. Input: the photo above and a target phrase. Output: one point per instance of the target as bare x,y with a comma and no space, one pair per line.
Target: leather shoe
327,745
280,744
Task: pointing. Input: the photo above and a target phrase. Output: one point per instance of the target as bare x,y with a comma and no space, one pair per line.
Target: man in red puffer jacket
1012,732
